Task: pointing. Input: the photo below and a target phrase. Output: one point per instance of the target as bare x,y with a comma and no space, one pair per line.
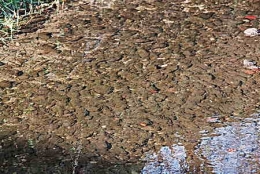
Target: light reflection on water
235,149
168,160
232,149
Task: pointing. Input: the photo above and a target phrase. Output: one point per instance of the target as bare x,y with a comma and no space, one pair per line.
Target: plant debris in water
13,11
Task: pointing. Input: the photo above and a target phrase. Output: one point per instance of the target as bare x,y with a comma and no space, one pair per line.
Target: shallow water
130,87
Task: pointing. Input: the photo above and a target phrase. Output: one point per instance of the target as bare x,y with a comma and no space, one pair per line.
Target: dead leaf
231,150
171,90
143,124
250,17
250,72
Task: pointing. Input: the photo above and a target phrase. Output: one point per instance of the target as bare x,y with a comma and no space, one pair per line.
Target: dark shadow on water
19,156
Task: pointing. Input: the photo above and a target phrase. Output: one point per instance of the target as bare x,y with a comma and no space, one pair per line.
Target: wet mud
100,86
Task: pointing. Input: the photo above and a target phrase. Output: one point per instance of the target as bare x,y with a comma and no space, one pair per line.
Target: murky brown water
133,87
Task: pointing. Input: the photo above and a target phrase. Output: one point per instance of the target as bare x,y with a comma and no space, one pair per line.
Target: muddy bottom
133,87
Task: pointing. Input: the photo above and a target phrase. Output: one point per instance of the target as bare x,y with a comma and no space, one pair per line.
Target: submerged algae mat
103,84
